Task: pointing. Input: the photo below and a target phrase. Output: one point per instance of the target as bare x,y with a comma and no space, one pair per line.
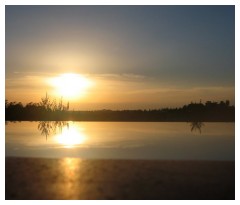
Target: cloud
25,82
119,77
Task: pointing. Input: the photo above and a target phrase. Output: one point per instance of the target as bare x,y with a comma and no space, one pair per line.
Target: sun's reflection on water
70,168
70,137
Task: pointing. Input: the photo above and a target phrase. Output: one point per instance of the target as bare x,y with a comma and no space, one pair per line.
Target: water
121,140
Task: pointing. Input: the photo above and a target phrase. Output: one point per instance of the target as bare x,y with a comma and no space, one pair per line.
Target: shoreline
74,178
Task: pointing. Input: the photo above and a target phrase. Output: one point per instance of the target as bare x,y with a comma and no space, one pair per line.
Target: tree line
48,110
44,109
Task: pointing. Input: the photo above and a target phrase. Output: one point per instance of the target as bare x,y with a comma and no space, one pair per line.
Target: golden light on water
70,85
70,137
70,169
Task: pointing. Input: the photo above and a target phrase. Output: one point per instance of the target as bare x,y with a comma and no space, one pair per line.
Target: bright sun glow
70,85
70,137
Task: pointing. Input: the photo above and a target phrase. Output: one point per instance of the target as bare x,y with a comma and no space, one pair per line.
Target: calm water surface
121,140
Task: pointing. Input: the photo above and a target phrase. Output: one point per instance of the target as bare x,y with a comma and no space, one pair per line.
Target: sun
70,85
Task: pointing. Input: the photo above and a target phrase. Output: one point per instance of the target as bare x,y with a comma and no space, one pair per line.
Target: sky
120,57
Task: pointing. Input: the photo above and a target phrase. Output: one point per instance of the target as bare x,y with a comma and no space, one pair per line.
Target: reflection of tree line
52,110
196,126
48,128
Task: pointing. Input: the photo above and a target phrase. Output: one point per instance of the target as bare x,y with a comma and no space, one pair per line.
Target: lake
121,140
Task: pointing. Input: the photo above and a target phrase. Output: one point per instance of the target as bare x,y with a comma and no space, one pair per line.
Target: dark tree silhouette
47,110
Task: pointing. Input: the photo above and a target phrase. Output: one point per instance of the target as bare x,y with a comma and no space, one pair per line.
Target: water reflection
70,136
63,134
70,170
121,140
196,126
48,128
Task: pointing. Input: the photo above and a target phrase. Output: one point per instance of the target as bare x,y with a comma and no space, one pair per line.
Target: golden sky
109,91
120,57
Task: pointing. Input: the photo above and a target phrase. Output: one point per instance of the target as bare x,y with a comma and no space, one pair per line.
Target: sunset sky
120,57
